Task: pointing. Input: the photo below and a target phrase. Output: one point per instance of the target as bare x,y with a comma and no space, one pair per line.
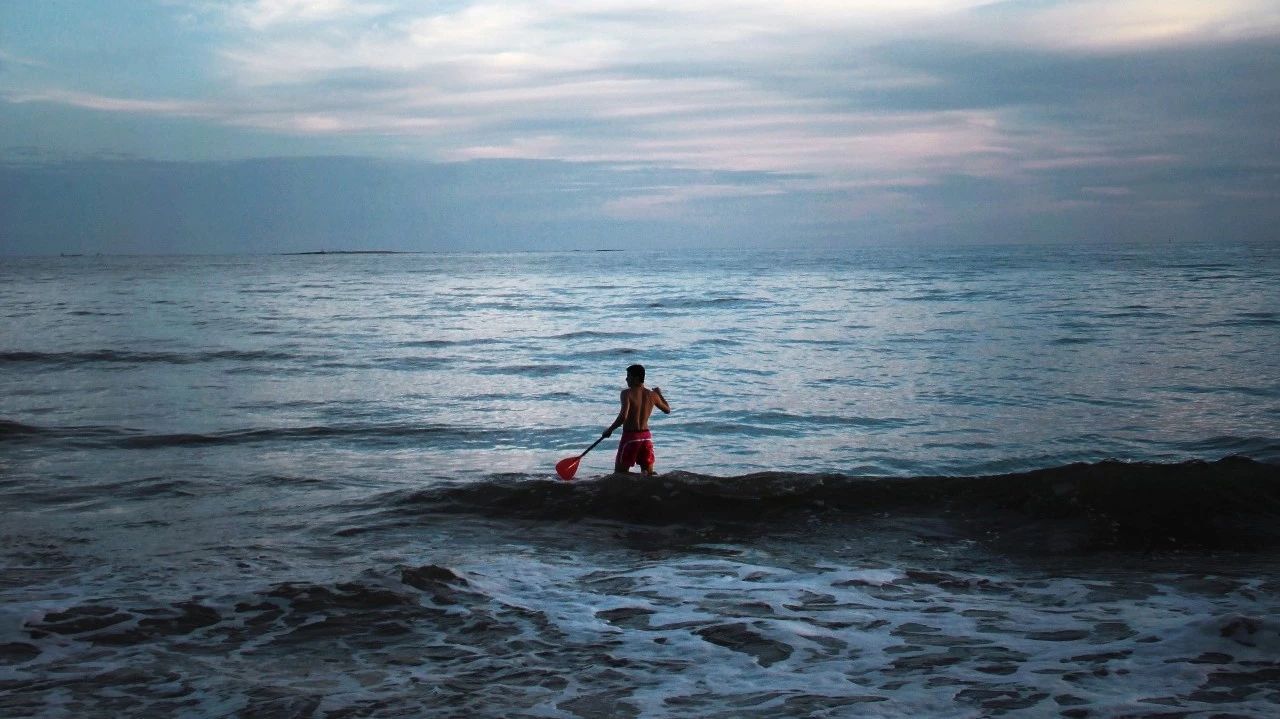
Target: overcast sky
277,125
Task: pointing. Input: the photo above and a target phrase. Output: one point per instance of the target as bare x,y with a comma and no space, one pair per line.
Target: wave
107,356
438,343
1252,445
151,441
703,303
607,353
412,364
1230,503
595,334
1251,319
523,305
716,342
778,423
933,295
391,434
275,613
17,429
527,370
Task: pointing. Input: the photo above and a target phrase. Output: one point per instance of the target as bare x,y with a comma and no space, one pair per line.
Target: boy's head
635,375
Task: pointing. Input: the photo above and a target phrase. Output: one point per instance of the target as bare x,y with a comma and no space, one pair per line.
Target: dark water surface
322,485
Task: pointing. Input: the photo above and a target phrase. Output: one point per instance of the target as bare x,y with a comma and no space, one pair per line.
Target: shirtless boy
638,401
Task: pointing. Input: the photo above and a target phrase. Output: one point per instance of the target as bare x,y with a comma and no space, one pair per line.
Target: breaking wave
1233,502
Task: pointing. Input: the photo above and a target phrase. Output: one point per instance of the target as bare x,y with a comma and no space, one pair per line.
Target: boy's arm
660,402
622,416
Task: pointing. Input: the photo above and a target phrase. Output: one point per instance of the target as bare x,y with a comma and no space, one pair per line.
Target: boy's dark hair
637,371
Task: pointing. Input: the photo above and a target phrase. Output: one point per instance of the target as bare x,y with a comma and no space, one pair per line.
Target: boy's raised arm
660,402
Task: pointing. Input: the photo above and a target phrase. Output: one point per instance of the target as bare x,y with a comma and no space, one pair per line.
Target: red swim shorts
635,448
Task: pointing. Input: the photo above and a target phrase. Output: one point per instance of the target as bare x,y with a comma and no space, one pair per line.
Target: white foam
714,632
838,648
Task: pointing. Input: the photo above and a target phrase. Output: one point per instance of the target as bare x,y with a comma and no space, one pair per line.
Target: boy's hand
606,433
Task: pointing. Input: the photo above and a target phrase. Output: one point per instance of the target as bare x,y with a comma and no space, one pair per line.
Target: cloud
8,58
266,14
673,201
904,109
1110,26
89,101
1108,191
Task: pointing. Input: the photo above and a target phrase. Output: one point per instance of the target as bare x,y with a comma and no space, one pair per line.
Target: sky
216,126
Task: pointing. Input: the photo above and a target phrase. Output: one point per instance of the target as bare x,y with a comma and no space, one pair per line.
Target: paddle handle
593,446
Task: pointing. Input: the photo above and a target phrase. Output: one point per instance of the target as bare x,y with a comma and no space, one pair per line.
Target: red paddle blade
567,467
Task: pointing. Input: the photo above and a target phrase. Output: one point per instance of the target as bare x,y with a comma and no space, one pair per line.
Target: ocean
896,482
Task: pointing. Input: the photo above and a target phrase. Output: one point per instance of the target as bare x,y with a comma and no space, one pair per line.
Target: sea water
322,485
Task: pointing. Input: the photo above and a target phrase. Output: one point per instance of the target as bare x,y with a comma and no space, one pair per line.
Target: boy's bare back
637,405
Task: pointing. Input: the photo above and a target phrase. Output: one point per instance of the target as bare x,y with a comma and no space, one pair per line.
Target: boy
638,402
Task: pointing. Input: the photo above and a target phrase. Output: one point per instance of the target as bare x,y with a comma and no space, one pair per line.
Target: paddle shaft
593,446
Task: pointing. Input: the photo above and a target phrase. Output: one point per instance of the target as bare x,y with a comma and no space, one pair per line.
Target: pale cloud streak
672,201
1110,26
89,101
265,14
10,58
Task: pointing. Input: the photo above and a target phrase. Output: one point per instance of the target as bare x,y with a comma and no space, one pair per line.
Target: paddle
568,466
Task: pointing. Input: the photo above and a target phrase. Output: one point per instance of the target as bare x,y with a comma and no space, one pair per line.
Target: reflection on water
854,361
